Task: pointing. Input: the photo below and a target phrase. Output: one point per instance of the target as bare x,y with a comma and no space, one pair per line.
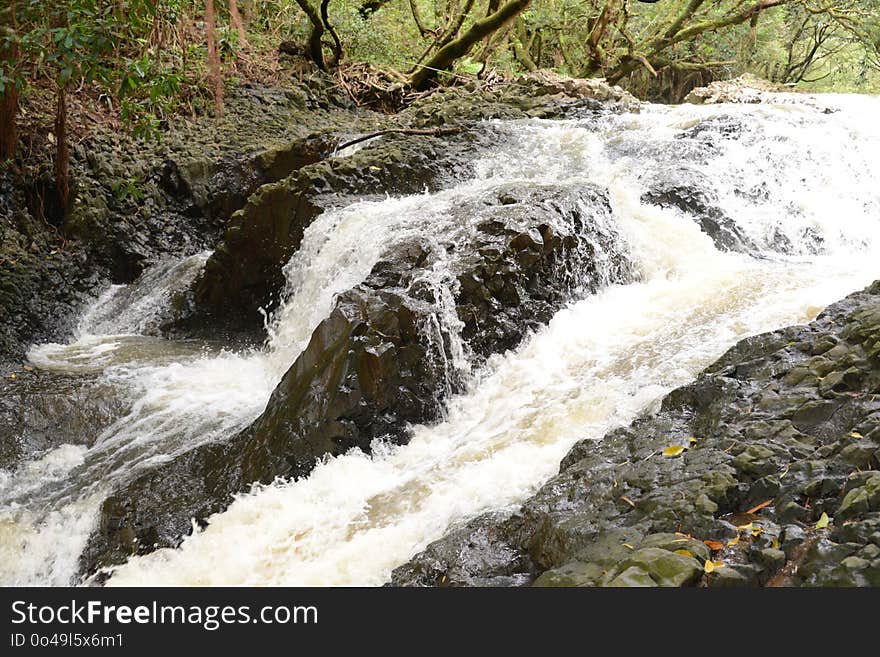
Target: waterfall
798,186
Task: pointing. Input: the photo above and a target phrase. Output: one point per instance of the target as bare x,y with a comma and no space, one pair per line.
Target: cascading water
800,185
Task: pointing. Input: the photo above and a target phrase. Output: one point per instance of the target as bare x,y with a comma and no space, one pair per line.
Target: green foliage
127,189
65,41
148,93
149,55
118,44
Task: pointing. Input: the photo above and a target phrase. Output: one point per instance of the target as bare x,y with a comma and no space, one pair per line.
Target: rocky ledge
389,353
428,146
764,471
134,202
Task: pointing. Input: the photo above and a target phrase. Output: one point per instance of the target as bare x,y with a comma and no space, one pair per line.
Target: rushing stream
801,184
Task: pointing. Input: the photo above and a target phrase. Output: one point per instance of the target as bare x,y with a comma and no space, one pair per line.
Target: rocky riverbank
247,187
764,471
134,202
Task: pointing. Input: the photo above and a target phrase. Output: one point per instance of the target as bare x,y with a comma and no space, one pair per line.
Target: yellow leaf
12,376
692,440
627,545
684,553
856,434
714,545
775,544
674,450
628,501
733,541
823,521
711,566
746,528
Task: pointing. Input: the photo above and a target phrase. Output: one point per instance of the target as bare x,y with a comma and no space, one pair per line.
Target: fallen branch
431,132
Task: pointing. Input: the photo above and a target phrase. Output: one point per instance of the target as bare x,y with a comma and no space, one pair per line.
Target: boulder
385,358
41,410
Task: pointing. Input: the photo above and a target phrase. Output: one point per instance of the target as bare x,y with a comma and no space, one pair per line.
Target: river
799,178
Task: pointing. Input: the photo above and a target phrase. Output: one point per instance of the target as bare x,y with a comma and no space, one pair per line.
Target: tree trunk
62,151
448,54
214,70
316,50
237,23
9,109
337,44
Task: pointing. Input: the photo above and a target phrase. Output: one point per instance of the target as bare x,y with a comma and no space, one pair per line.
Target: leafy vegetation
152,59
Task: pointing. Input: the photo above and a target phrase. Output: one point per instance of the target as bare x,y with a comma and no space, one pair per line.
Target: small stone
792,536
633,577
855,563
858,454
733,576
869,552
665,568
771,558
705,505
791,511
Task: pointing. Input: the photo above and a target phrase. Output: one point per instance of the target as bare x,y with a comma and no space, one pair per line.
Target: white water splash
598,364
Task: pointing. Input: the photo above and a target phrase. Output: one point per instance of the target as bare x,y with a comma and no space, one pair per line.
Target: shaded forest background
141,62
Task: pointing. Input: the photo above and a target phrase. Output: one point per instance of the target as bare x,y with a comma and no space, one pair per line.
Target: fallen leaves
628,501
856,434
684,553
673,450
714,545
712,566
823,521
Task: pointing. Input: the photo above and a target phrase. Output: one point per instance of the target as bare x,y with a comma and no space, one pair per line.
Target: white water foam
598,364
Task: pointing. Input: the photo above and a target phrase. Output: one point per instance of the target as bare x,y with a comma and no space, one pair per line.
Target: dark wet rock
711,129
766,429
245,272
541,94
385,358
244,276
689,192
135,202
40,410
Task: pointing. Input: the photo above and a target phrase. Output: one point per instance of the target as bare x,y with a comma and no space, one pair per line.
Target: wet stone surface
382,359
787,421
